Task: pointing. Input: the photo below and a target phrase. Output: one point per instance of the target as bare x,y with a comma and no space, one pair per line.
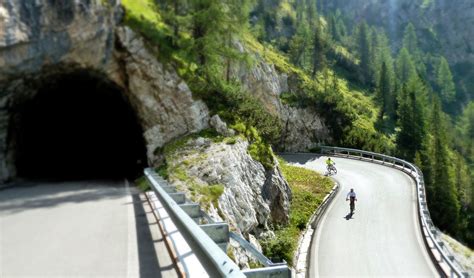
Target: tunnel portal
78,126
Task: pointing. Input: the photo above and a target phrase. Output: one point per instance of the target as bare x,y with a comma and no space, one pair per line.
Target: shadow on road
148,261
300,158
153,257
26,195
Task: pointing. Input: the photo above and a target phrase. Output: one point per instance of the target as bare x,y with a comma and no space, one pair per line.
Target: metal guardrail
430,231
212,257
324,205
216,262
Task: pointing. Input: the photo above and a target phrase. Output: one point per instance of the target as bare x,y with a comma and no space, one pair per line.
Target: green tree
319,49
465,140
214,25
444,81
385,96
404,66
364,52
410,42
312,13
381,53
299,45
337,27
444,205
411,119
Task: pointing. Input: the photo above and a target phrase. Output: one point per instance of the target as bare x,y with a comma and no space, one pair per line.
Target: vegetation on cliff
308,191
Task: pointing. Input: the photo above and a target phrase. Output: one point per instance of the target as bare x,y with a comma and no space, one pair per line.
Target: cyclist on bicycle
352,197
330,166
329,162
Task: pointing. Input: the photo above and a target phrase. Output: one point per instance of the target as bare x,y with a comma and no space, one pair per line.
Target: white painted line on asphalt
315,250
132,246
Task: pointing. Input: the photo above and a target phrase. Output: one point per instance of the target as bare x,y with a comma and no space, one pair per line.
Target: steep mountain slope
443,27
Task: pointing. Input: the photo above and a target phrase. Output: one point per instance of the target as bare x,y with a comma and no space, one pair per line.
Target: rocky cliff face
303,128
253,199
41,40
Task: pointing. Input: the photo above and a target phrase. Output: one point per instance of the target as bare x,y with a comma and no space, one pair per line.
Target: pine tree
299,45
319,50
332,26
214,22
466,126
410,42
385,96
382,53
404,65
444,205
312,13
364,52
444,81
300,10
411,119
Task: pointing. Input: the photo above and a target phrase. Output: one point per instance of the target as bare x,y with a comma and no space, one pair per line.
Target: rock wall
43,39
303,128
254,199
162,100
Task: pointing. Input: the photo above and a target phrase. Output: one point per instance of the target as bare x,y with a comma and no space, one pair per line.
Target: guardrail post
218,232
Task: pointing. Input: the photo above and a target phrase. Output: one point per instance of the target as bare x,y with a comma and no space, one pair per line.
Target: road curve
382,238
79,229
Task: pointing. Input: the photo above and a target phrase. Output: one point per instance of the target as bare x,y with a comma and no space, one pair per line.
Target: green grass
308,190
171,147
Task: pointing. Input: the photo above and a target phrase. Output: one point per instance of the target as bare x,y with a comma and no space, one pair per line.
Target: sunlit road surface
382,237
79,229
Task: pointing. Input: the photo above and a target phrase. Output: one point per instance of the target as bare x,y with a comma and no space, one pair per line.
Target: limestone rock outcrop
162,100
252,198
303,128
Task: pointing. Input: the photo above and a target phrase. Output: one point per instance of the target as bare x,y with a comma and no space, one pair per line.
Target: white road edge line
419,232
132,247
315,271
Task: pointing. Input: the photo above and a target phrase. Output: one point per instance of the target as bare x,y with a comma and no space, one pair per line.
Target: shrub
258,149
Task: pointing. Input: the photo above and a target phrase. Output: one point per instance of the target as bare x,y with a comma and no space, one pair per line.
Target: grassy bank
309,189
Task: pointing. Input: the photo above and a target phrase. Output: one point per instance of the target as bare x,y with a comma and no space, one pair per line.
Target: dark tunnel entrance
78,126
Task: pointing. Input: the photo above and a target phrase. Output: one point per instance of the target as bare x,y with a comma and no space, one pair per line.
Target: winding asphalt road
382,237
79,229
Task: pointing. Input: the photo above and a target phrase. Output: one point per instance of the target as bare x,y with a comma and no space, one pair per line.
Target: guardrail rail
441,256
209,253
